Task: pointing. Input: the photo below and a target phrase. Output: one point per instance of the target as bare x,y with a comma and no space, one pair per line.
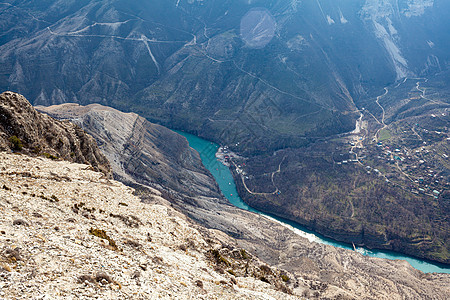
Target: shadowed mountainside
198,65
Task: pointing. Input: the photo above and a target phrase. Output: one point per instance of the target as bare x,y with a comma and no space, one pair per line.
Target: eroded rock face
24,129
139,151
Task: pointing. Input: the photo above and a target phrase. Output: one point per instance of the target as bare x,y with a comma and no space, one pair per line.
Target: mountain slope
262,237
385,185
165,60
260,76
85,236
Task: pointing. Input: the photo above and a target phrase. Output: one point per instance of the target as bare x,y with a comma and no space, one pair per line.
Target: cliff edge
23,129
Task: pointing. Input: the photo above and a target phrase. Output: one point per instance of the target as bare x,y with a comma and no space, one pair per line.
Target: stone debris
68,232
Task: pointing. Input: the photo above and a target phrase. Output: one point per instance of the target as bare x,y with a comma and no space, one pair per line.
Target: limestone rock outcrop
24,129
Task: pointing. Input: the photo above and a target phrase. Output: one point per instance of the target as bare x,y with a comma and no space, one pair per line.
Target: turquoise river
222,174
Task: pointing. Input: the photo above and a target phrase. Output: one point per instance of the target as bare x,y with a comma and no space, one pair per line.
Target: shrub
284,277
84,278
199,283
265,269
20,222
244,254
103,278
219,258
50,156
36,150
12,255
264,279
130,221
102,234
133,244
16,143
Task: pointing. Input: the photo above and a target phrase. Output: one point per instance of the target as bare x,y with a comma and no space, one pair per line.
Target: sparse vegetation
52,198
85,211
12,255
199,283
36,150
103,278
20,222
102,234
284,277
218,257
130,221
244,254
157,260
264,279
49,156
16,143
133,244
266,269
86,278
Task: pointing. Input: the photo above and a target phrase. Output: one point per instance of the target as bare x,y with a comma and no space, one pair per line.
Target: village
226,157
416,159
409,156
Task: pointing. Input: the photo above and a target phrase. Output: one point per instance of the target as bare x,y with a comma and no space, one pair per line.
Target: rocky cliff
23,129
139,151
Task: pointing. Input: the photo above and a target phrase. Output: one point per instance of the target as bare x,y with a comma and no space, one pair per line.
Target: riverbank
225,155
225,180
